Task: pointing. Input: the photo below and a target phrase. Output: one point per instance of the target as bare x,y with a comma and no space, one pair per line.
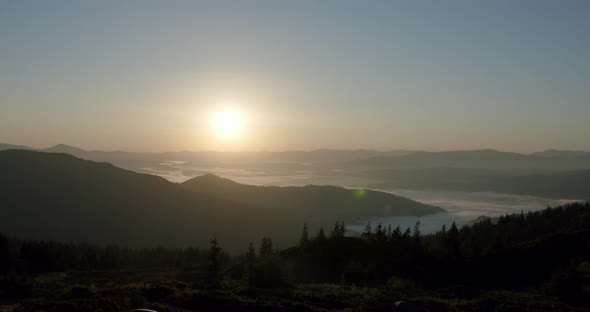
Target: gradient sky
432,75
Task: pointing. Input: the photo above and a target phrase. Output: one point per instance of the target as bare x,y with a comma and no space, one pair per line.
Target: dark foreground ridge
537,261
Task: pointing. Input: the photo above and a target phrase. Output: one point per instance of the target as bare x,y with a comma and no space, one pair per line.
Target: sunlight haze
295,155
423,75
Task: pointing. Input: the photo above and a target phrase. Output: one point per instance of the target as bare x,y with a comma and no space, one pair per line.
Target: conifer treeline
32,256
503,250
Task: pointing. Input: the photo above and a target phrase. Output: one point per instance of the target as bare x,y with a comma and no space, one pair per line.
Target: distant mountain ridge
480,159
275,160
470,171
63,148
561,154
328,152
470,154
5,146
482,153
58,196
358,155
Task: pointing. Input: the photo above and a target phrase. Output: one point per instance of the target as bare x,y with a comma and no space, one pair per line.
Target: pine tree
321,236
250,264
265,247
342,229
453,241
338,231
214,266
407,233
368,232
380,233
416,234
397,233
304,236
335,231
4,253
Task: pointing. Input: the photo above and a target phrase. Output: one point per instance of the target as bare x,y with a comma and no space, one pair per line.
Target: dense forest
534,261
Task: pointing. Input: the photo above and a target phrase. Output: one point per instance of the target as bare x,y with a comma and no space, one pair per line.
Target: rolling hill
311,201
58,196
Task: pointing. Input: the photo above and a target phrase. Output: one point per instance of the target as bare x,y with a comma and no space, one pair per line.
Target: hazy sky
434,75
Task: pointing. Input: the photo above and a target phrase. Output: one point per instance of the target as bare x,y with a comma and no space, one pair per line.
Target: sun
227,123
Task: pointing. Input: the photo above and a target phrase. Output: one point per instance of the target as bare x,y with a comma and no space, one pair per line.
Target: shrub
82,292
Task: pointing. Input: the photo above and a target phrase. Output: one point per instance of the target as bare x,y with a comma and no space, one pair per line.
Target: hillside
311,201
58,196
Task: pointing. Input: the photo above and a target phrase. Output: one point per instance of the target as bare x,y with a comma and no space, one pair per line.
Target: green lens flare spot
360,193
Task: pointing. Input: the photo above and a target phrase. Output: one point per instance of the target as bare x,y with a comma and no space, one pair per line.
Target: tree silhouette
397,233
304,240
338,231
4,253
321,236
452,241
213,276
407,233
380,233
342,229
265,247
250,264
416,233
368,232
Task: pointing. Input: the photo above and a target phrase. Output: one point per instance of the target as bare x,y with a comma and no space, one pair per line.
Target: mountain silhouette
4,146
311,201
63,148
479,159
561,154
58,196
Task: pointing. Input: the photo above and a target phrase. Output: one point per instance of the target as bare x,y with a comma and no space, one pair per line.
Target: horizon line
293,151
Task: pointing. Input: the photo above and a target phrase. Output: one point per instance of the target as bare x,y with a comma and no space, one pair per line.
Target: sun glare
227,123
